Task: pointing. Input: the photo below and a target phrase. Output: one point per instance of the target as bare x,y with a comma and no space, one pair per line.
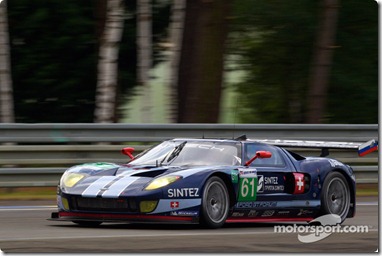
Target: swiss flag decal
174,204
299,183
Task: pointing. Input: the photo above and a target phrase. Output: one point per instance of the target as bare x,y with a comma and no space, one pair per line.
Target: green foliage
275,40
54,51
54,58
354,84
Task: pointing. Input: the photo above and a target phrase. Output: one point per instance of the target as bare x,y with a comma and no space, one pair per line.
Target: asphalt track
24,229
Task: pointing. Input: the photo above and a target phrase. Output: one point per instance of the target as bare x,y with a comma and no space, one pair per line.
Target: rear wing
362,148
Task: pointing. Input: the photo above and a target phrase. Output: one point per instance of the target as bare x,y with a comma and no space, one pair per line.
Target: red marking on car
174,204
299,183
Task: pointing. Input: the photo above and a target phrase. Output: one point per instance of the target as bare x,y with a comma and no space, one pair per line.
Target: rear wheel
215,203
335,197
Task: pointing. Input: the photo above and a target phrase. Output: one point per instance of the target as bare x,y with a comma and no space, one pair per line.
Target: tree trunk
176,35
6,92
322,61
201,63
144,44
106,94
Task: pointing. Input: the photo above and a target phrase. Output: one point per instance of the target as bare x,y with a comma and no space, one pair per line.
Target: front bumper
126,209
114,217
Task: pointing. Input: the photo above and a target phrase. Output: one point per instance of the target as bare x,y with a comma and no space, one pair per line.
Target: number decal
247,189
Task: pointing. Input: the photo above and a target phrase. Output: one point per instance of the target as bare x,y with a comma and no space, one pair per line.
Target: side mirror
259,154
263,154
129,152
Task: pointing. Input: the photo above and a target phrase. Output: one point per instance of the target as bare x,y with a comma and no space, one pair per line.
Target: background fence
37,154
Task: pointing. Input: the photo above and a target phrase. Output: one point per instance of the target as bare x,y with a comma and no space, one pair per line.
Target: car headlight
161,182
69,179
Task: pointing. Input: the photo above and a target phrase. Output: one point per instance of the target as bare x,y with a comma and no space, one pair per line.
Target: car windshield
197,153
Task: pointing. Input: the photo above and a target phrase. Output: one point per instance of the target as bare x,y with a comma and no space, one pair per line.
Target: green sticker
235,176
247,189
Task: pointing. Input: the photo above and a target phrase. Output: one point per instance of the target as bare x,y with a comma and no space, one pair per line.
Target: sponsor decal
93,166
304,212
269,184
247,173
262,204
174,204
260,185
335,163
253,213
268,213
274,188
184,213
235,176
237,214
183,192
203,146
283,212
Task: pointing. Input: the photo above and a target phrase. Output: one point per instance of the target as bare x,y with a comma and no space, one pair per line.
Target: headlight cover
69,179
162,182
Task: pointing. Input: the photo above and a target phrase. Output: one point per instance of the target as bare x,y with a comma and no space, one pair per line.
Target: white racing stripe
97,185
115,190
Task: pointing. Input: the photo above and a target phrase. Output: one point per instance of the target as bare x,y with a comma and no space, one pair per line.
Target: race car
212,182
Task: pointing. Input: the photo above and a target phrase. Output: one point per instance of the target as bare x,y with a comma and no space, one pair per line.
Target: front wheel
335,197
215,203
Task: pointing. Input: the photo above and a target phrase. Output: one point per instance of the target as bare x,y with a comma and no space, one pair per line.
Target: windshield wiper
174,153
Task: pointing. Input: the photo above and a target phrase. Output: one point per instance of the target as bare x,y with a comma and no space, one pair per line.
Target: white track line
150,235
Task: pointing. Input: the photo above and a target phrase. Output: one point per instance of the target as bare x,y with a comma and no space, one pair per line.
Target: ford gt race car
212,182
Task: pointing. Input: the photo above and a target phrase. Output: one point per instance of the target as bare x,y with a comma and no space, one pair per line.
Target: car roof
220,140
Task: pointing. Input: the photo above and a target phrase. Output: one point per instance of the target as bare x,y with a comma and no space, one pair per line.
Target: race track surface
24,229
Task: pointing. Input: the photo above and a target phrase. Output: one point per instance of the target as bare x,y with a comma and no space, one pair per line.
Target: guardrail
37,154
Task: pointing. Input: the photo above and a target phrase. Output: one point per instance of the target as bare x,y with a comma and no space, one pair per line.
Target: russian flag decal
367,147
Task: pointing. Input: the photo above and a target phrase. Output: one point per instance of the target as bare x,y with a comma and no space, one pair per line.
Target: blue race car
212,182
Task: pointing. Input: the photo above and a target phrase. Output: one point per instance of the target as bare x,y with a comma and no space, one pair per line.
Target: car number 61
247,189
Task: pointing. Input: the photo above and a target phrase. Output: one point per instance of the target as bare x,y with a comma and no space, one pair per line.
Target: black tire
88,223
335,195
215,203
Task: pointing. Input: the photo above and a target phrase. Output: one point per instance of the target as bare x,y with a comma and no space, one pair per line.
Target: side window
275,161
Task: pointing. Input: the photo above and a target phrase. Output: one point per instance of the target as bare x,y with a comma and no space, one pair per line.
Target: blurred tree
275,40
106,94
144,48
353,92
54,62
175,38
6,90
201,61
54,48
322,61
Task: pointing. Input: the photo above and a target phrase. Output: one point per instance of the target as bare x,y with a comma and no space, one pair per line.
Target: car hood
112,181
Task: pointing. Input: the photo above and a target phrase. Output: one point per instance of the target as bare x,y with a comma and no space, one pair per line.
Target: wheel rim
216,202
338,198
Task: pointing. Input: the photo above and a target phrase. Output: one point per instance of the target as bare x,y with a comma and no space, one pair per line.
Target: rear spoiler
362,148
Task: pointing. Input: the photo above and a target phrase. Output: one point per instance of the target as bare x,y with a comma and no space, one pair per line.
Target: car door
274,174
